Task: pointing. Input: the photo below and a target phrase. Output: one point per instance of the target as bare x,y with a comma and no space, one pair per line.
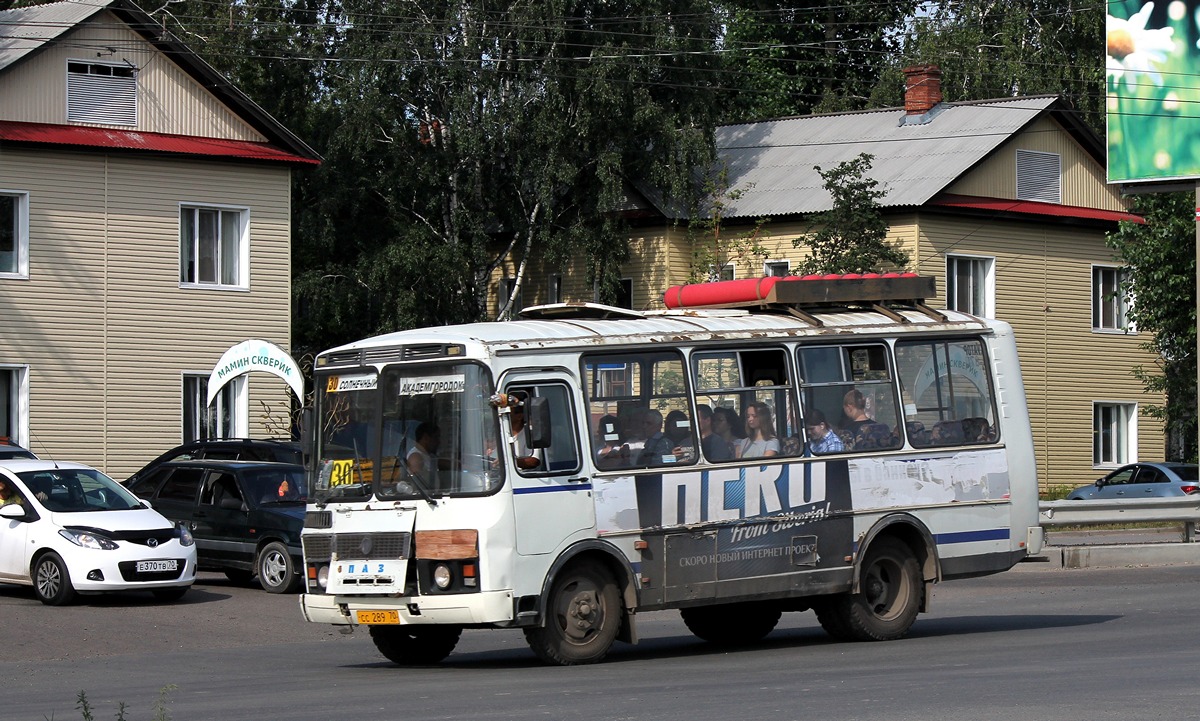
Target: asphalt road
1033,643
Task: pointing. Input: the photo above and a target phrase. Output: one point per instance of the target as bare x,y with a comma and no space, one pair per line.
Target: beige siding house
1004,202
144,230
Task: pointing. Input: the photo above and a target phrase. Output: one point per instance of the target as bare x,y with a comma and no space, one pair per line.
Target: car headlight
185,536
86,539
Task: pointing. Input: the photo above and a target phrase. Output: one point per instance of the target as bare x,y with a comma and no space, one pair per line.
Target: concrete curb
1150,554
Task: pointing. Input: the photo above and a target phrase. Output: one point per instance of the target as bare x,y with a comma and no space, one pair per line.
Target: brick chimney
922,88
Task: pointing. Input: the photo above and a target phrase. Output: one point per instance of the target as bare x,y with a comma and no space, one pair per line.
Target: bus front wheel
582,617
886,604
415,645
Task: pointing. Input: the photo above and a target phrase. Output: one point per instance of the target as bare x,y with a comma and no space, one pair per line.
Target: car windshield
275,485
77,490
417,431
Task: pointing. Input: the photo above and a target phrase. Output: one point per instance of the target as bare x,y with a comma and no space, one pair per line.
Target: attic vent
1039,176
100,93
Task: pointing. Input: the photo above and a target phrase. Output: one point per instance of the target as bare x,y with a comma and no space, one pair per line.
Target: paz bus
761,446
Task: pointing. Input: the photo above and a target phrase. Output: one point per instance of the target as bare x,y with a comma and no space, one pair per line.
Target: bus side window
948,399
561,454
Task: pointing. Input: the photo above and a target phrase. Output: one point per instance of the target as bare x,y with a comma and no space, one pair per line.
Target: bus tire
731,624
888,599
415,645
582,617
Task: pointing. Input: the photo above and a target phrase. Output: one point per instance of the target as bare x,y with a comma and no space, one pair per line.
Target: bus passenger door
552,498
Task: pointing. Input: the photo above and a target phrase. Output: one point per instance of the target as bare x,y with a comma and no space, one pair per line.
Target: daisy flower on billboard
1131,48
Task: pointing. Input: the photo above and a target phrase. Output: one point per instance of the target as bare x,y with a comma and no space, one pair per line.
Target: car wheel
170,594
276,572
51,582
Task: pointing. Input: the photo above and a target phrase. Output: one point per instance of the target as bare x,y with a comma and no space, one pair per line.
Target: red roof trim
91,137
1029,207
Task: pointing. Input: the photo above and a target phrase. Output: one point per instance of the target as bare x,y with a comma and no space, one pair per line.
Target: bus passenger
821,438
760,441
854,407
678,432
714,446
611,452
727,426
657,450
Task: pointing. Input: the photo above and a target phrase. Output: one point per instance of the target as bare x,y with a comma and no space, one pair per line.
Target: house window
14,404
101,93
777,268
554,289
625,295
14,234
1039,176
213,247
971,285
1109,305
225,418
502,296
1114,433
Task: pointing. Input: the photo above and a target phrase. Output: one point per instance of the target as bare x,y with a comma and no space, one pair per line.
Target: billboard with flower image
1153,76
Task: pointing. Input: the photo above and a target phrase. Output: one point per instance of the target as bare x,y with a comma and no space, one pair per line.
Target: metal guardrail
1184,510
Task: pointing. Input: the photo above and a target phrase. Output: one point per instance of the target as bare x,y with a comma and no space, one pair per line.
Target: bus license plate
152,566
375,618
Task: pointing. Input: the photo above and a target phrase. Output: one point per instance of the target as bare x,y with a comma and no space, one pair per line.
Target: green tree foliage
794,58
850,237
988,49
1160,261
458,135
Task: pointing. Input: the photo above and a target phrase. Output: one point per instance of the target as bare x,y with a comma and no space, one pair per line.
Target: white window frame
987,281
235,393
771,265
21,230
1123,325
19,400
1122,423
243,255
95,97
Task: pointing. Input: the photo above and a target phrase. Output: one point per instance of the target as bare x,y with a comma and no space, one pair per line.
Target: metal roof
774,162
90,137
24,30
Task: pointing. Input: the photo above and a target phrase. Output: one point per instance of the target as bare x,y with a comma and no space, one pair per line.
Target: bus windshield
408,432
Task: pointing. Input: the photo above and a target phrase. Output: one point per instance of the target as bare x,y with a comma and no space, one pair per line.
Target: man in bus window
657,450
422,457
854,406
821,438
714,446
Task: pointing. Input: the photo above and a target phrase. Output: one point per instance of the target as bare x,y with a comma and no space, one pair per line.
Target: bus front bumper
456,609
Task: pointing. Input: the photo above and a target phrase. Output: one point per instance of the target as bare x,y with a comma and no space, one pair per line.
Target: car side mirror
1099,483
14,511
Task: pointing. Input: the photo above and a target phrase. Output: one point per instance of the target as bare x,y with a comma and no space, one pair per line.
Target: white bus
831,444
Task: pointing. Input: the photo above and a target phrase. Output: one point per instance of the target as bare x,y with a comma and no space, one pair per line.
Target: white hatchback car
77,531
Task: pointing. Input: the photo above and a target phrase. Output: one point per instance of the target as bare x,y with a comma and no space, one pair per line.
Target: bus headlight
442,576
323,577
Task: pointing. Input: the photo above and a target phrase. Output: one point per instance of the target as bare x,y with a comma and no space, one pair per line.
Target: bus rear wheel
415,645
888,599
582,618
731,624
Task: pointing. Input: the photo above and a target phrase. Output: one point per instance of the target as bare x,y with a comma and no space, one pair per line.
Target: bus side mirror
306,434
537,422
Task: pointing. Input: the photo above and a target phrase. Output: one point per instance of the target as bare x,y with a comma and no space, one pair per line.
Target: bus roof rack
792,294
577,311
